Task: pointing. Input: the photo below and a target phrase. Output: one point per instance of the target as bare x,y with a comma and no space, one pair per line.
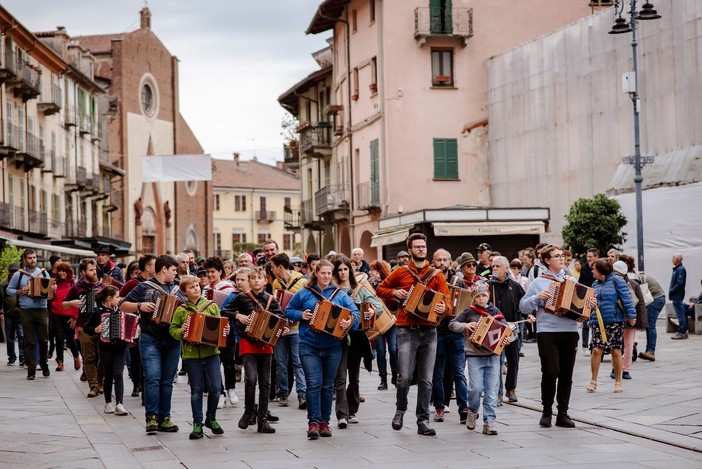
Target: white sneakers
233,398
586,351
109,408
221,403
120,410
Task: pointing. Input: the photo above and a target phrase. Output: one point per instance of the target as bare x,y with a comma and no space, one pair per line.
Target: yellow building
251,200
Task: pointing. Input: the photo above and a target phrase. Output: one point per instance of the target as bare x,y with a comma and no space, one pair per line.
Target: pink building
405,109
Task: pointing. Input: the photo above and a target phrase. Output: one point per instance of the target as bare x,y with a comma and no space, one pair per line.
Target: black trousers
257,367
112,358
557,351
512,356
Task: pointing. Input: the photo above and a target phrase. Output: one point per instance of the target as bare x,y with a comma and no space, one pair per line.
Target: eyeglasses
471,264
558,256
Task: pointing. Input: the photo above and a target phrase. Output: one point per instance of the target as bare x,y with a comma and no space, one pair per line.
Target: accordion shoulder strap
288,287
356,290
199,310
427,277
155,286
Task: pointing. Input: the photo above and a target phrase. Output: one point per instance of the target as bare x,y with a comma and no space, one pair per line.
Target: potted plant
373,87
442,79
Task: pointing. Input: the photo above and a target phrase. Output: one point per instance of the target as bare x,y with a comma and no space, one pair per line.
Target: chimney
236,158
145,14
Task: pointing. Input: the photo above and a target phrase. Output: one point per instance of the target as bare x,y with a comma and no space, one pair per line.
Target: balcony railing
292,218
315,139
58,166
223,253
8,68
108,164
33,152
331,198
307,212
50,103
82,176
106,185
38,222
11,140
440,21
265,216
85,124
368,195
291,154
19,221
94,183
5,215
76,229
57,230
70,117
27,82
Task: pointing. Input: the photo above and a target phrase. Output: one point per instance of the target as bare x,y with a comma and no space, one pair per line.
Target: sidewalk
50,423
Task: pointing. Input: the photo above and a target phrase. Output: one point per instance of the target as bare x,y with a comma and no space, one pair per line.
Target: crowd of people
434,350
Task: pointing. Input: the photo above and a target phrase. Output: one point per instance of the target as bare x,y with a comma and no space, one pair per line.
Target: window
262,204
372,11
445,158
355,84
218,242
239,203
354,21
238,238
288,202
374,75
216,202
262,237
147,99
288,241
442,67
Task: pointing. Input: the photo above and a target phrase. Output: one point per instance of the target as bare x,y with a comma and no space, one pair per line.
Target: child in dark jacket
483,364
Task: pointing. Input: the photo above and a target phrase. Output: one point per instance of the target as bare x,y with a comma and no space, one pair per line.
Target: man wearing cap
10,311
106,267
402,259
33,314
416,339
484,269
297,263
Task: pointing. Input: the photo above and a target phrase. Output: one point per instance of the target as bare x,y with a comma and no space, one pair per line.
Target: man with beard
34,314
82,296
416,339
159,351
506,294
107,268
484,269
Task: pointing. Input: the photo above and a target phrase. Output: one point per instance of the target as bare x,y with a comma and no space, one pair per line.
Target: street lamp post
622,26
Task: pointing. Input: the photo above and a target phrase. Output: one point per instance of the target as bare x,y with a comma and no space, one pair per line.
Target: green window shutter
445,158
375,173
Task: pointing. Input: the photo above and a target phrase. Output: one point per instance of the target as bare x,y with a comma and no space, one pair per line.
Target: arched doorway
311,244
369,253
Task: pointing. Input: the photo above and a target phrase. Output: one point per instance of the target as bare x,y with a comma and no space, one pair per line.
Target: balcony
32,155
114,202
13,217
58,166
264,216
8,66
330,199
5,215
368,195
38,223
70,117
82,177
50,103
85,122
76,229
57,230
291,153
26,83
443,22
292,219
10,143
94,184
107,164
315,139
97,133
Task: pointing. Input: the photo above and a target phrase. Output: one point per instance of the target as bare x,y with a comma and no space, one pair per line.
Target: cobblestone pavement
655,422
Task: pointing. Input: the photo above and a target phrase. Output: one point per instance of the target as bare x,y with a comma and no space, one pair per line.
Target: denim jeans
257,368
450,347
653,310
483,378
159,359
557,352
35,324
391,338
679,308
415,346
201,371
13,327
320,366
287,347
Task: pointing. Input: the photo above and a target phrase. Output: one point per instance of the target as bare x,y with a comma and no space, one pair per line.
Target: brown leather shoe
650,356
76,363
59,366
93,392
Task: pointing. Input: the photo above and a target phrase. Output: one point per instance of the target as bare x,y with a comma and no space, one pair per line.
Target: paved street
655,423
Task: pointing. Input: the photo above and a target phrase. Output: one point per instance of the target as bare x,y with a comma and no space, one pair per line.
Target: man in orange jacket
416,338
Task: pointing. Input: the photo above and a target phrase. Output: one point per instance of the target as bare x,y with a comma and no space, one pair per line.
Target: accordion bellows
205,329
119,327
570,299
327,317
265,326
166,305
491,334
422,303
40,287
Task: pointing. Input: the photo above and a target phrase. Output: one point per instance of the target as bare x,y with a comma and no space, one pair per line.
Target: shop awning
390,236
488,228
51,248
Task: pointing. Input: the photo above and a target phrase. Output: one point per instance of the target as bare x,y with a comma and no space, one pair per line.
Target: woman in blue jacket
615,306
320,353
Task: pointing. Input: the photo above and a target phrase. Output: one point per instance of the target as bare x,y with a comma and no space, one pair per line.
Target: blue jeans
201,371
159,358
653,310
415,346
450,347
680,307
13,327
319,365
391,337
483,374
289,346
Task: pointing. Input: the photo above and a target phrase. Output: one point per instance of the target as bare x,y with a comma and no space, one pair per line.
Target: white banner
176,168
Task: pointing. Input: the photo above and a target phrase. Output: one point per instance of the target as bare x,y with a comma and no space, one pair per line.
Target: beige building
401,126
54,189
252,202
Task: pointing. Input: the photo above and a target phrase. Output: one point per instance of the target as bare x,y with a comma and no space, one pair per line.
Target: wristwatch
139,307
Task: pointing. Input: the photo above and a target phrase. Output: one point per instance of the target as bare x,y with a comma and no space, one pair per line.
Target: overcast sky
236,58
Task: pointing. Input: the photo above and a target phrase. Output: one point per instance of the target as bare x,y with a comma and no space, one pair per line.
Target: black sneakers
397,420
423,428
563,420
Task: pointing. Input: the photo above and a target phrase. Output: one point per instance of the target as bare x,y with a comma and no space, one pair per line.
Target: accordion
365,324
166,305
382,324
40,287
570,299
327,317
265,326
492,335
119,327
283,297
461,298
218,296
205,329
422,302
88,306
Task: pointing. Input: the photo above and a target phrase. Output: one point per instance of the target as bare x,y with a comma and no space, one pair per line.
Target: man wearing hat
297,263
10,312
106,267
402,258
484,269
468,267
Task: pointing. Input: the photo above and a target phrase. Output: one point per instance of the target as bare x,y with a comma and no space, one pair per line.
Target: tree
8,255
594,223
288,127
